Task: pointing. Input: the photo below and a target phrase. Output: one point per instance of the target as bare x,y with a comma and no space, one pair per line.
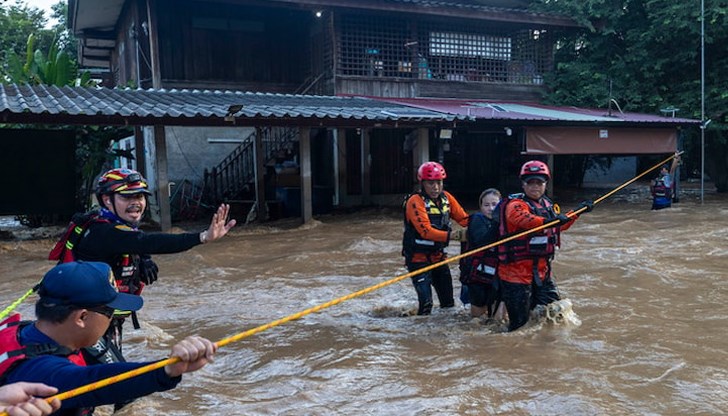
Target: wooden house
380,49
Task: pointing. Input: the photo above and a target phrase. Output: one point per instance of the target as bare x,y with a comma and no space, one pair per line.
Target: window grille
387,47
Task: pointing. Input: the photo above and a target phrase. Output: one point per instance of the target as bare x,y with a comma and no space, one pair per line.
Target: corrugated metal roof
77,105
533,113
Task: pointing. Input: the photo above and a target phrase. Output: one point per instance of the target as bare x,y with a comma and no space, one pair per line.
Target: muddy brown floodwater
649,288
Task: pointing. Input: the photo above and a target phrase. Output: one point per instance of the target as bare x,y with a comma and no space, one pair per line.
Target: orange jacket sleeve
416,214
457,212
519,216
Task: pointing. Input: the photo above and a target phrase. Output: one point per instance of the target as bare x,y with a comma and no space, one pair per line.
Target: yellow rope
153,366
15,304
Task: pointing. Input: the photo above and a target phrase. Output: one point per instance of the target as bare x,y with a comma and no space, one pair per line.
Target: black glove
148,270
563,219
588,204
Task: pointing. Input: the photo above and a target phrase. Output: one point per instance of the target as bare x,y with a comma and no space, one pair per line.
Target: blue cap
85,284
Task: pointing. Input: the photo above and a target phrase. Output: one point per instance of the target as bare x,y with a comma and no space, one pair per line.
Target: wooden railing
235,175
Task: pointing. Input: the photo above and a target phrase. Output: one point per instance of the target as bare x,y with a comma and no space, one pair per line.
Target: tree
93,143
17,22
645,54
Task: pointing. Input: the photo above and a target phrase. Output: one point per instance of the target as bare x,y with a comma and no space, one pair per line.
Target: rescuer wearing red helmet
524,264
111,235
426,234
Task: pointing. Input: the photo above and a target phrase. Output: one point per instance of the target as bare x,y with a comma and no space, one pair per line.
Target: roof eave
493,14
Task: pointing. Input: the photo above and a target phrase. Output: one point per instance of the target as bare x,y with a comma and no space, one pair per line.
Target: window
393,47
470,45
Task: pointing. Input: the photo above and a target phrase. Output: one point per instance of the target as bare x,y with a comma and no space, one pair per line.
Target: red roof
532,112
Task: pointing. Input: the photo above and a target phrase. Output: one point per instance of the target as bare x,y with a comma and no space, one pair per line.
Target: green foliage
48,63
645,54
17,22
94,148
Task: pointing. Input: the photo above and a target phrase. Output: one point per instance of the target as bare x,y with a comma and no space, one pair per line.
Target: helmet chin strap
112,199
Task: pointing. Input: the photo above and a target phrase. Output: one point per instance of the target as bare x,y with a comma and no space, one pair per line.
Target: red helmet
122,181
535,168
431,171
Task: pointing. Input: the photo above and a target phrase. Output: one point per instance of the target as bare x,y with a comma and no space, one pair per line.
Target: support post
160,152
260,176
366,168
420,153
306,188
340,168
141,159
154,43
550,186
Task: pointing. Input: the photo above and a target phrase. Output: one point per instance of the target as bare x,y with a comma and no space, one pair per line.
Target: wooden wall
225,44
407,88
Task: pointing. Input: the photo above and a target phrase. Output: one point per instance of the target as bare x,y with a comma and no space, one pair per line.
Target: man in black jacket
111,235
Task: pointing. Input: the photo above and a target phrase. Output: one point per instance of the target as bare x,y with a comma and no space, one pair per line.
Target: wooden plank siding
237,47
392,171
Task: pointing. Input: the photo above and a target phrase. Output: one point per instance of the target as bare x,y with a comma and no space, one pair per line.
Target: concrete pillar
306,188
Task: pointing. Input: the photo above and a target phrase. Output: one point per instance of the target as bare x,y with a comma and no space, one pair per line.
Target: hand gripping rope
153,366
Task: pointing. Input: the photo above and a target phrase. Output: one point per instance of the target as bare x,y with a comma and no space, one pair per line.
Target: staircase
233,179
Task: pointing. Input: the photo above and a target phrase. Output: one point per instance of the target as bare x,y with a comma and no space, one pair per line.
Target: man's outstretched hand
219,226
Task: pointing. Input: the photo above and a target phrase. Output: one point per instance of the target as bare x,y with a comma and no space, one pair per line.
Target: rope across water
245,334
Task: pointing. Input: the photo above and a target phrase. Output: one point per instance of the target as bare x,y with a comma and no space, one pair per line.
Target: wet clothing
113,241
104,237
61,373
520,299
426,234
662,192
439,278
525,272
479,270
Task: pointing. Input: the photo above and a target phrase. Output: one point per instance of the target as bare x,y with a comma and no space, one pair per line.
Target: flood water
649,288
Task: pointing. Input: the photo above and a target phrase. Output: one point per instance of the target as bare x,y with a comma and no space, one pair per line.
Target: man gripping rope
426,234
111,235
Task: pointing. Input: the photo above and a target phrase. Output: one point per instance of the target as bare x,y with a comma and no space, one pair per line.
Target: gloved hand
460,234
563,219
148,270
588,204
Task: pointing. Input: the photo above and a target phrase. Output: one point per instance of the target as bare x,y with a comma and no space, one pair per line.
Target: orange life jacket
541,244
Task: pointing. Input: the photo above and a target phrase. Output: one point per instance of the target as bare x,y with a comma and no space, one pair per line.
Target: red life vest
541,244
63,250
12,352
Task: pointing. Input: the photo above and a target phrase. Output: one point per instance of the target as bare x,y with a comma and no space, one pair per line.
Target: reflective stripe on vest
541,244
439,216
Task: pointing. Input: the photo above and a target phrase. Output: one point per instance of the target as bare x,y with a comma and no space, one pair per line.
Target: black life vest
660,189
124,266
541,244
480,267
438,213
